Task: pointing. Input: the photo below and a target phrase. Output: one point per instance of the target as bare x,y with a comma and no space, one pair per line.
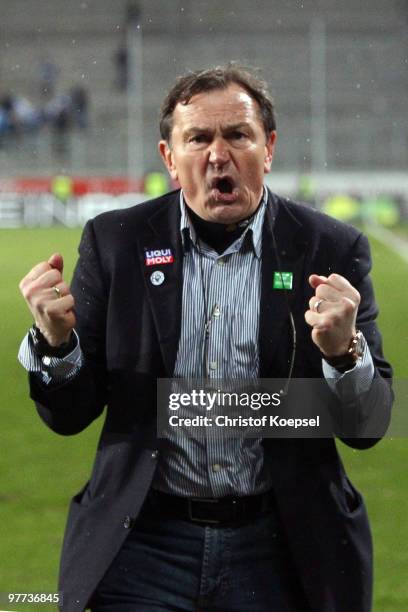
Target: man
184,286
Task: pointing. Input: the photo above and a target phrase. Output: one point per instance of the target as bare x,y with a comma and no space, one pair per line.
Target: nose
219,152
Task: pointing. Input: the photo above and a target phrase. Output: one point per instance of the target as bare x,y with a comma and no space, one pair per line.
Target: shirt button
46,361
216,467
216,311
155,454
213,365
128,522
221,261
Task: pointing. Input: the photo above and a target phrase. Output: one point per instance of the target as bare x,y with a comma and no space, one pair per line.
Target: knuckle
348,307
327,323
29,293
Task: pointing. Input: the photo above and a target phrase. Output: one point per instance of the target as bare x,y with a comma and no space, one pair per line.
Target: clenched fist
50,301
333,313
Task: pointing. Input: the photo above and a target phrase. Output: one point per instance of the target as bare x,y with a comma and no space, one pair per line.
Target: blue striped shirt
224,290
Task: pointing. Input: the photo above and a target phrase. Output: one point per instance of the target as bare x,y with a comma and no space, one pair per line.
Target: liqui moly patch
158,256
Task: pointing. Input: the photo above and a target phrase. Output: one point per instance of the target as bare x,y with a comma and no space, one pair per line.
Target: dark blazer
129,331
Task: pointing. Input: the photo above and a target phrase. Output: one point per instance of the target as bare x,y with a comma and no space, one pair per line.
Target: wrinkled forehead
217,107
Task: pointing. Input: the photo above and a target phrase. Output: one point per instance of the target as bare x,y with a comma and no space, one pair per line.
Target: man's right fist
50,300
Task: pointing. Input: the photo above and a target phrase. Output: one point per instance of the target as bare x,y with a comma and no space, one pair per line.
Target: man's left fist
332,313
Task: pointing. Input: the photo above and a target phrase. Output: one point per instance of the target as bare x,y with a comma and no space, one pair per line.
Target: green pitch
40,471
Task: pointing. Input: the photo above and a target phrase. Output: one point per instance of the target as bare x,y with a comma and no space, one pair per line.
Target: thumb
56,261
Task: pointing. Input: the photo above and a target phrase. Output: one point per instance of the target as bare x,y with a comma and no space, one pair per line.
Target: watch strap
43,349
349,359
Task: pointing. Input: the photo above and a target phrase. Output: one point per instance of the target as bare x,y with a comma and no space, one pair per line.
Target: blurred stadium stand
338,72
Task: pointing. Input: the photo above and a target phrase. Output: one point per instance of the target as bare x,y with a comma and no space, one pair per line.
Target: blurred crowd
62,112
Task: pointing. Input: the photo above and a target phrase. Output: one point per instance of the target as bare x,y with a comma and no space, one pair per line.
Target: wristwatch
43,349
349,359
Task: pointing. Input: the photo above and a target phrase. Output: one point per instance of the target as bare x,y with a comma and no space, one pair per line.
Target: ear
269,151
167,156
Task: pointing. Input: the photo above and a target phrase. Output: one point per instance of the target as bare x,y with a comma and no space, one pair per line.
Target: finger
315,280
309,317
48,279
328,293
350,307
337,283
318,304
56,261
59,290
344,286
34,273
317,320
333,315
34,291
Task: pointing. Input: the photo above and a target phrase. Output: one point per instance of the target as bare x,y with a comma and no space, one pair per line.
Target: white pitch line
390,240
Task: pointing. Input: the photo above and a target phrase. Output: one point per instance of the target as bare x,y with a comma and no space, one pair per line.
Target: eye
238,136
198,139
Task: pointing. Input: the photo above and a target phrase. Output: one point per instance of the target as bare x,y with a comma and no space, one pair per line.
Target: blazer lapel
164,277
284,254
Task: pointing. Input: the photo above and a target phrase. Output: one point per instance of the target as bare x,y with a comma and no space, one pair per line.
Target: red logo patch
158,256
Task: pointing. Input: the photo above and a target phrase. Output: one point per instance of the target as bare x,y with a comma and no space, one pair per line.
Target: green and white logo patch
282,280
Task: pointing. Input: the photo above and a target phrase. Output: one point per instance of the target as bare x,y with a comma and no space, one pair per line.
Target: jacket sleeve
70,407
367,416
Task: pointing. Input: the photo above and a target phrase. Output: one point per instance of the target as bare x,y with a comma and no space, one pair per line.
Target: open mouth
224,189
224,185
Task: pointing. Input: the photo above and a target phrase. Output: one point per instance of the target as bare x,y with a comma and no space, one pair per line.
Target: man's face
219,153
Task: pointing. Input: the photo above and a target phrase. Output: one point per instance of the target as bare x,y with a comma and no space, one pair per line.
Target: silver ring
317,304
57,292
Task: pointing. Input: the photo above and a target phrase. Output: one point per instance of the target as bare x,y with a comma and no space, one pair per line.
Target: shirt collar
254,228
